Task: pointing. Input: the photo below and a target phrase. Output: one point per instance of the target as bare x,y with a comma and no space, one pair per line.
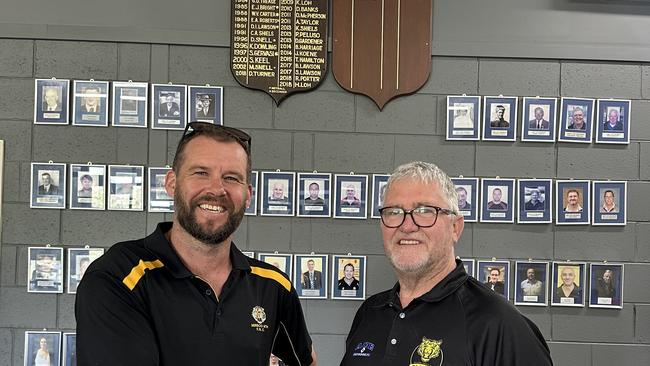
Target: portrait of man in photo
497,202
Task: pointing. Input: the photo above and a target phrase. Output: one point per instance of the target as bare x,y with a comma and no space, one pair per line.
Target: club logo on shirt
259,315
428,350
363,349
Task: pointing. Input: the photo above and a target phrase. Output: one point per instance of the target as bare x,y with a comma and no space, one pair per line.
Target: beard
207,235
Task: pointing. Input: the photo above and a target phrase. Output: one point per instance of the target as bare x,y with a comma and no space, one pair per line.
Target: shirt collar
443,289
158,244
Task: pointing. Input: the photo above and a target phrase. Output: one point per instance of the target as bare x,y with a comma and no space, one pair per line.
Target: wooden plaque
279,46
381,48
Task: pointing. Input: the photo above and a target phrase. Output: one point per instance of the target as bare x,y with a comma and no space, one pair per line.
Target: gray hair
427,173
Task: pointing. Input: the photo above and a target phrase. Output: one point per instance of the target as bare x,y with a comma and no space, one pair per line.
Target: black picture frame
570,128
572,204
159,200
613,121
51,101
535,201
47,186
350,196
318,185
501,211
576,275
314,286
531,283
539,119
168,106
87,187
463,117
277,194
130,104
205,104
90,103
499,118
467,190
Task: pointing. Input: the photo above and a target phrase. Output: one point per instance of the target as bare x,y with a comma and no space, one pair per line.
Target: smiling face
568,276
534,196
494,275
530,274
572,198
578,117
539,113
310,265
278,191
86,183
348,271
612,117
609,198
496,195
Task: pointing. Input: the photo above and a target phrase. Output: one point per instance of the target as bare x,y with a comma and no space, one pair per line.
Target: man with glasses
185,295
436,310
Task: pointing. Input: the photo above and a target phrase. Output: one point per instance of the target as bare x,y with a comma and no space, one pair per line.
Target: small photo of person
45,269
350,196
129,106
169,104
535,203
496,200
206,104
48,185
278,191
572,202
42,348
159,200
463,117
532,283
609,203
169,107
539,119
51,101
78,261
539,112
281,261
348,277
613,121
311,276
576,120
495,275
378,186
500,118
467,193
126,187
252,209
606,285
87,183
314,194
90,103
69,349
568,281
52,98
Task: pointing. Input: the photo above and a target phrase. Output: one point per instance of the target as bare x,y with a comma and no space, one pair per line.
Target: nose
216,187
409,226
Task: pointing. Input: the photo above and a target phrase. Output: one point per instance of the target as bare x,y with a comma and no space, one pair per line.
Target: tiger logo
428,350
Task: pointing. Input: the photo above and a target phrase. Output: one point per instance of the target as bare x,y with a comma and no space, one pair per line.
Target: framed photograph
45,270
281,261
278,193
314,198
606,285
249,254
463,117
568,284
495,275
42,348
87,187
69,349
130,104
47,186
531,281
378,185
538,120
310,276
252,209
205,104
572,202
90,103
469,265
468,193
535,201
500,118
610,203
350,196
168,103
613,122
159,200
497,200
576,120
126,187
348,277
51,101
78,261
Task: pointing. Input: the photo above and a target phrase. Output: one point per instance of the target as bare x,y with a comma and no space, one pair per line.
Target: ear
250,194
170,183
457,227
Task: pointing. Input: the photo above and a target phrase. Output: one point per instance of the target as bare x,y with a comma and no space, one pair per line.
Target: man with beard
435,310
185,295
605,285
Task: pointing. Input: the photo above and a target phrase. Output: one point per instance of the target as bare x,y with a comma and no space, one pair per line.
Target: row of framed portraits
568,283
131,104
45,268
50,348
312,276
578,119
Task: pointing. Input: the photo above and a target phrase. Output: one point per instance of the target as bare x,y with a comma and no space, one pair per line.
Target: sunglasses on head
197,127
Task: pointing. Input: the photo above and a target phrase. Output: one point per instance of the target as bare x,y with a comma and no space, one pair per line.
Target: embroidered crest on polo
429,351
364,349
259,315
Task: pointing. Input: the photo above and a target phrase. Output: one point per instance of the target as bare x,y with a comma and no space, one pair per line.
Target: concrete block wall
330,130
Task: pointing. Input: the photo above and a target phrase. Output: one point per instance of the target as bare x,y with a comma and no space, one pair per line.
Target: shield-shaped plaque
381,48
279,46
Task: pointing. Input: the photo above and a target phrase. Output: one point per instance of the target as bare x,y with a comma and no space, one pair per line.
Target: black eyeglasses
423,216
242,137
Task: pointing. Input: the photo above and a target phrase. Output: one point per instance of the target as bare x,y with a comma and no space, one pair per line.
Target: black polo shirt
458,322
139,305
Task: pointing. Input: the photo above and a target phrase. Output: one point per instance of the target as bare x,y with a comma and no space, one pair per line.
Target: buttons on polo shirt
393,341
208,292
402,315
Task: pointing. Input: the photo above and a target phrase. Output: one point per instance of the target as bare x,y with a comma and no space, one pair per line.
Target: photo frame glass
205,104
349,277
251,210
130,104
531,283
281,261
69,349
498,200
159,200
378,186
568,285
606,285
51,101
463,117
500,118
495,275
45,270
126,187
278,193
535,201
168,107
609,203
314,198
468,192
470,266
90,104
78,261
42,348
311,275
572,202
350,196
613,121
539,119
576,120
87,186
48,182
